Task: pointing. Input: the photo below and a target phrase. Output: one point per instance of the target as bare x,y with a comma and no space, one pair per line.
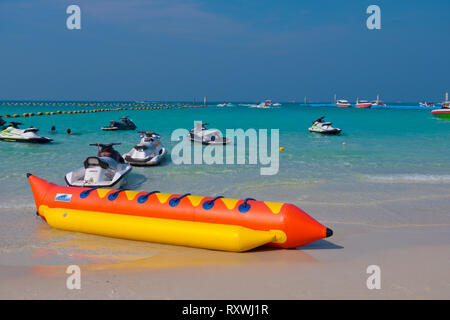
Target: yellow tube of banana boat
176,232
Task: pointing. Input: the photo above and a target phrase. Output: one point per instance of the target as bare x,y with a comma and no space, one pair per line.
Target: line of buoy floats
118,107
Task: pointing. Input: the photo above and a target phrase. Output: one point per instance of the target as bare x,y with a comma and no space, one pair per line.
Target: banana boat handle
291,226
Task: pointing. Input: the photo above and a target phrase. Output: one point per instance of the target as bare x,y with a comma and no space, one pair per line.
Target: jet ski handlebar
104,145
319,120
149,133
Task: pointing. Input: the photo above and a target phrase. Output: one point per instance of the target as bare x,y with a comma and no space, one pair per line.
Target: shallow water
392,170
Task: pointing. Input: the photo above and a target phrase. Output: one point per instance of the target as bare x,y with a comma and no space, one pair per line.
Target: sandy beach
413,258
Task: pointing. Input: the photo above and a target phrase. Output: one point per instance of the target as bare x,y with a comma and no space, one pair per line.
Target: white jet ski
12,133
123,124
206,136
107,170
323,127
266,104
148,152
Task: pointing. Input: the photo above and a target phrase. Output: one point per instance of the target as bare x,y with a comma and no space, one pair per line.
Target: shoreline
413,262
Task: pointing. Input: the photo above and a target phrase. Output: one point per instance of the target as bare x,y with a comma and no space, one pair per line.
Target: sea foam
408,178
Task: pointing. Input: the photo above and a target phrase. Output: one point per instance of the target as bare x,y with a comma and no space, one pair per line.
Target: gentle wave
408,178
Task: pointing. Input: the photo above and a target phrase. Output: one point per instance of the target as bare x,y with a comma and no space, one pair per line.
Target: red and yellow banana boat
215,223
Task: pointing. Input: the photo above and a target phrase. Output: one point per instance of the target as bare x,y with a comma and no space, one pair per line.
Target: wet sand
414,261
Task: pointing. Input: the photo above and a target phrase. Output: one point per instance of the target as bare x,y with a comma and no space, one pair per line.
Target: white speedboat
362,103
323,127
343,103
148,152
225,104
107,170
12,133
265,104
206,136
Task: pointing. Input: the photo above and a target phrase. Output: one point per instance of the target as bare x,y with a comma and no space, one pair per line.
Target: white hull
207,136
97,176
149,151
136,158
11,134
324,128
209,142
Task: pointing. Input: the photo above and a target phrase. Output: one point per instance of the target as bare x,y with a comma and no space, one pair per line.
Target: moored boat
12,133
444,112
108,169
323,127
362,103
123,124
377,102
148,152
206,136
343,103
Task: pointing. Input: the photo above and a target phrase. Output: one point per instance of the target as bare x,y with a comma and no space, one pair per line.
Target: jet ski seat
95,161
140,147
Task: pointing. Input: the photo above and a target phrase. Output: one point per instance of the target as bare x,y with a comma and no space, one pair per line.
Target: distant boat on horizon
343,103
444,112
378,102
426,104
267,104
362,103
446,103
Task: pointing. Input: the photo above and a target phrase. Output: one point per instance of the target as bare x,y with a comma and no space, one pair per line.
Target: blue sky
244,50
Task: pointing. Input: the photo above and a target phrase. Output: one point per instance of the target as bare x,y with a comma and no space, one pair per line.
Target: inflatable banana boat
205,222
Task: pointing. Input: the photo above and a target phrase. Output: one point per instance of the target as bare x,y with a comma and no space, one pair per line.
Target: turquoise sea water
390,155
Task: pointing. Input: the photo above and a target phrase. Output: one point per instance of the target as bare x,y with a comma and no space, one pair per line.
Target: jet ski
265,104
107,170
225,104
12,133
123,124
323,127
206,136
148,152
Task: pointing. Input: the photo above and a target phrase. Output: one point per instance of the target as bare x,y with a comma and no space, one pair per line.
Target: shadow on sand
320,244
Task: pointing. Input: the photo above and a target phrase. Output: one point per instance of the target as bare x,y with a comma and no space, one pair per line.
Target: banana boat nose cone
329,232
